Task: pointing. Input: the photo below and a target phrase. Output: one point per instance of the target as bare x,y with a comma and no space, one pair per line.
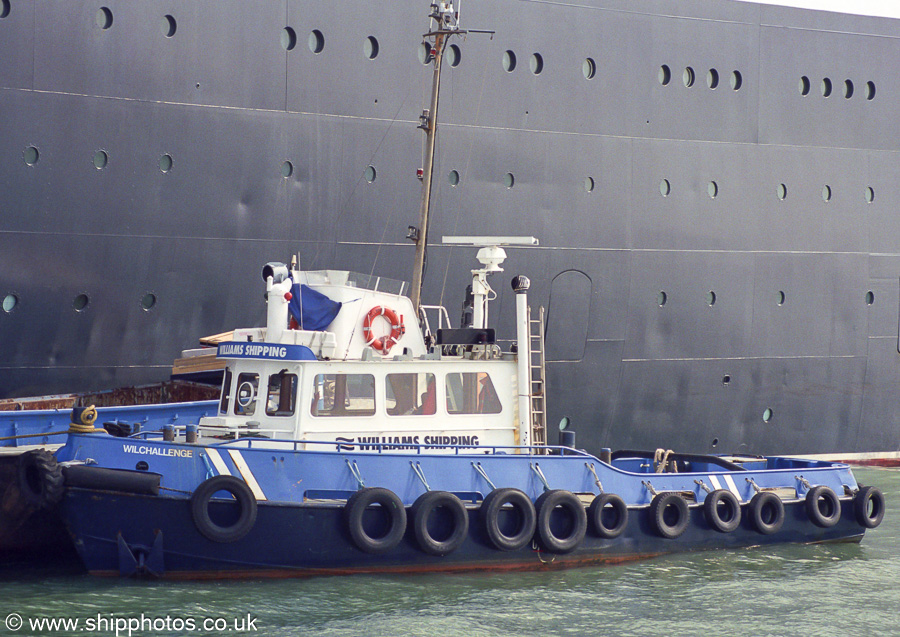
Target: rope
87,417
661,459
49,433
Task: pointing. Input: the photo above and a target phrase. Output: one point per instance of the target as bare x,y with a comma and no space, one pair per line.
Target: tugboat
351,438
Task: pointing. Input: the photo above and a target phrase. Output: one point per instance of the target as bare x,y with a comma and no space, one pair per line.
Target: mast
447,24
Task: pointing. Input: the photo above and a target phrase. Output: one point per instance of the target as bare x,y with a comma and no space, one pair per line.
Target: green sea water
826,590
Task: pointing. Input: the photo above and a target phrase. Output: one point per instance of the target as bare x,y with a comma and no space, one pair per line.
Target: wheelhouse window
281,399
471,393
411,395
245,398
343,395
226,392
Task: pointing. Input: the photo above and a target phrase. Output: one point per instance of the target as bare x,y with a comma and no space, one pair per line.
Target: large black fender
392,507
421,513
243,496
823,506
669,514
868,506
722,510
608,515
40,478
103,479
570,506
521,504
766,511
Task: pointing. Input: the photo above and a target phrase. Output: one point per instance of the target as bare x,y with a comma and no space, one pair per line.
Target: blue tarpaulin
312,310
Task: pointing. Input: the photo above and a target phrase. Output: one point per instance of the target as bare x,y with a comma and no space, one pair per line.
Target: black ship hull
720,253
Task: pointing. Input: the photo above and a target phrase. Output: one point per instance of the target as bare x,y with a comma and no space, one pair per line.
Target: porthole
781,192
870,298
826,193
509,61
453,178
425,53
316,41
142,466
454,55
509,180
370,174
712,79
661,298
4,8
712,189
288,39
665,188
804,86
715,442
710,298
726,379
664,75
870,91
767,414
165,163
737,80
10,301
826,87
536,64
31,155
168,26
148,301
103,18
870,194
588,184
81,302
848,89
101,159
589,68
287,169
688,77
780,297
370,47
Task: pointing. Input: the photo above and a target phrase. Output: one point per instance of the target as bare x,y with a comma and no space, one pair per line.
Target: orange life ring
384,344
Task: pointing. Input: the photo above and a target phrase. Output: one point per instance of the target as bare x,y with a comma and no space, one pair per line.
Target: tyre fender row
511,521
669,511
508,518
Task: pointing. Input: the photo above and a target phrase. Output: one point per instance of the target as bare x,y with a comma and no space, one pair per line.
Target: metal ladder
537,366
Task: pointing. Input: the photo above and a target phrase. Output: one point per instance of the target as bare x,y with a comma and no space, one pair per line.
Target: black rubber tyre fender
421,511
766,511
40,478
569,502
489,516
823,506
729,503
620,515
244,498
391,504
103,479
669,514
861,501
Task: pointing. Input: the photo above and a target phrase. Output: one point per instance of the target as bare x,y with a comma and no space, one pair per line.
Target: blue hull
293,540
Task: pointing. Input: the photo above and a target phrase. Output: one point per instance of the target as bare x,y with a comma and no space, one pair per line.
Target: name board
265,351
